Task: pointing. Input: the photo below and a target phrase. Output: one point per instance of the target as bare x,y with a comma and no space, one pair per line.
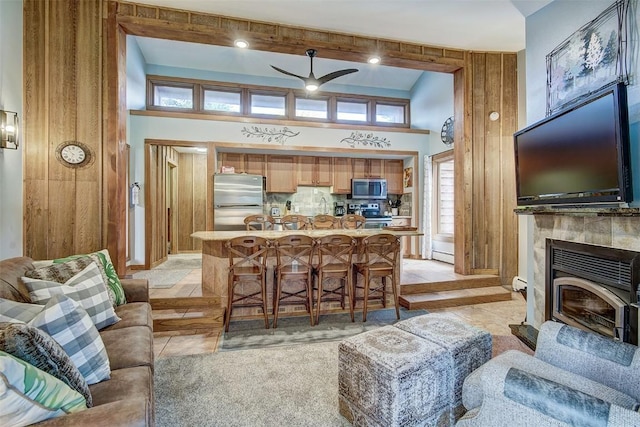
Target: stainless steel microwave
372,188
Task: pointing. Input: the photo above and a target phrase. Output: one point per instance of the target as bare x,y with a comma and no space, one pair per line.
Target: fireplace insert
593,287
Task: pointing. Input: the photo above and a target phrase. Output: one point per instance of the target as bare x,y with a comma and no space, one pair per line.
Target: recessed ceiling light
374,60
201,149
242,44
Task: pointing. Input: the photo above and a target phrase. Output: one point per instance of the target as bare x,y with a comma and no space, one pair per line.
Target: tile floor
493,317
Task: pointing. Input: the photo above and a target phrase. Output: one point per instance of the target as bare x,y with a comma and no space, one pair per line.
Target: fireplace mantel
577,211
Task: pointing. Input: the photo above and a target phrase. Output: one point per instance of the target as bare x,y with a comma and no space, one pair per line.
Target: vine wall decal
269,134
366,140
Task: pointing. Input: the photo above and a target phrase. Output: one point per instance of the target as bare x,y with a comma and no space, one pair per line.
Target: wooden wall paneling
62,84
491,208
88,233
463,164
508,117
114,166
35,130
210,171
199,198
479,230
185,201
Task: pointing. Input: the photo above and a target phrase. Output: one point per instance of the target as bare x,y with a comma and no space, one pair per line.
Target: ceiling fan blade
336,74
288,73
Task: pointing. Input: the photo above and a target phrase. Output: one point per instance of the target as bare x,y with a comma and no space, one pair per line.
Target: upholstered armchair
575,378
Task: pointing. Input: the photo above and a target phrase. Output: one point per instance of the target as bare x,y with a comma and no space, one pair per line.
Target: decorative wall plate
447,132
74,154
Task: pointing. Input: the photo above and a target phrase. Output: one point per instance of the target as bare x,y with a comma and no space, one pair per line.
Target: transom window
198,96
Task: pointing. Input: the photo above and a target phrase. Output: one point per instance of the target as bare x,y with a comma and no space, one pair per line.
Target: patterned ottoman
468,346
388,377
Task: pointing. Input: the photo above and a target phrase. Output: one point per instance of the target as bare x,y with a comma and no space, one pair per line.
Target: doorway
442,207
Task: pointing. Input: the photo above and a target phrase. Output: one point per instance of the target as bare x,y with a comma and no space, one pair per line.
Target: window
387,113
173,96
245,100
224,101
352,111
312,108
272,105
443,195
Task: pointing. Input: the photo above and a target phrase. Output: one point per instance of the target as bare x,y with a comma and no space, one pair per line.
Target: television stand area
581,210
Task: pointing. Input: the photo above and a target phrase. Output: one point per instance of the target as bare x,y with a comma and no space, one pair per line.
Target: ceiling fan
312,83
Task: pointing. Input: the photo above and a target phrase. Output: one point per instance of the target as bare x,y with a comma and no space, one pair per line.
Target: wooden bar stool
247,271
352,221
294,254
325,222
259,222
335,255
381,261
295,222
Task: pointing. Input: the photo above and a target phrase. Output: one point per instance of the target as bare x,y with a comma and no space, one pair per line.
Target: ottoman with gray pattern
389,377
469,347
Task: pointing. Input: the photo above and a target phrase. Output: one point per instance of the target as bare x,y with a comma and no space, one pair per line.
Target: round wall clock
447,132
74,154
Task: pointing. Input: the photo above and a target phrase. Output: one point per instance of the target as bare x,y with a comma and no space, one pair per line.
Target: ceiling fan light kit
374,60
240,43
312,83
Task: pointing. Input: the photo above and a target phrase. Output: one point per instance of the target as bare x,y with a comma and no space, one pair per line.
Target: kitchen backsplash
310,201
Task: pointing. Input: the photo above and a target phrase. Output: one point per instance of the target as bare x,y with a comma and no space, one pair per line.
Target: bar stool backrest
325,222
334,250
259,222
295,251
381,251
295,222
247,253
352,221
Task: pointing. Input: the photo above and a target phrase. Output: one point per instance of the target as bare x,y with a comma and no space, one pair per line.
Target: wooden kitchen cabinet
368,168
394,173
282,174
243,162
342,173
315,171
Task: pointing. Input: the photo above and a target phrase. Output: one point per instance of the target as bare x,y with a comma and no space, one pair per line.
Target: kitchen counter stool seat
293,274
335,254
381,261
247,285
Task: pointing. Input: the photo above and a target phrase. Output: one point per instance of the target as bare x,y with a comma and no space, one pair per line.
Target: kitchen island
215,262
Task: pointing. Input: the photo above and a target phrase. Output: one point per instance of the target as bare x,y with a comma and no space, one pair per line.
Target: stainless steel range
371,211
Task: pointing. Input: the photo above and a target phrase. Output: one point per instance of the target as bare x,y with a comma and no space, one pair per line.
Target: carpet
177,262
283,386
162,278
249,334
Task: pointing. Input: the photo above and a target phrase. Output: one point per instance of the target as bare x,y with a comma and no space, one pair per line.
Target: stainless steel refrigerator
236,196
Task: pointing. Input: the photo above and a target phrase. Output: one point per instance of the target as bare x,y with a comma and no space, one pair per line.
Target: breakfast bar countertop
270,234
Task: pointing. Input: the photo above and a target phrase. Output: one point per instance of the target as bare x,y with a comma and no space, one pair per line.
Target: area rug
283,386
181,263
162,278
248,334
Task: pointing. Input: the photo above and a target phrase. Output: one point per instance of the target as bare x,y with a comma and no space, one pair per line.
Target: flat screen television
578,156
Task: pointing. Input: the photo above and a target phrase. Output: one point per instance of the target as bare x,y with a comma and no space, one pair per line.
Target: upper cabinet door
324,171
255,163
376,168
393,172
342,173
236,160
306,170
282,174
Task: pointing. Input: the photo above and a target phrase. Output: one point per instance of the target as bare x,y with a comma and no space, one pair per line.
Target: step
455,298
476,281
202,322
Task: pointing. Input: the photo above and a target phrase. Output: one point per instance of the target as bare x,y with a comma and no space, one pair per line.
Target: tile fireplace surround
609,230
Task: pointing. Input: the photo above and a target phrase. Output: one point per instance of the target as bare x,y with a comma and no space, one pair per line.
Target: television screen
576,156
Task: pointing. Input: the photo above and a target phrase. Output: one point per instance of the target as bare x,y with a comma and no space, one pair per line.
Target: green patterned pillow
102,258
29,395
37,348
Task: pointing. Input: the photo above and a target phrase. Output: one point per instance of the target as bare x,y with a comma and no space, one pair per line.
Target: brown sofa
126,399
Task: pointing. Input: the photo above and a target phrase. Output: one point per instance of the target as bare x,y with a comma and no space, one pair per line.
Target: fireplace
593,287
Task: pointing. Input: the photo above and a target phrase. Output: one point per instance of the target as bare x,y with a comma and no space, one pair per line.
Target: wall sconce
8,130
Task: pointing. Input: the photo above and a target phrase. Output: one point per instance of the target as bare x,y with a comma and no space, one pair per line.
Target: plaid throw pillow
37,348
85,287
70,326
18,312
108,271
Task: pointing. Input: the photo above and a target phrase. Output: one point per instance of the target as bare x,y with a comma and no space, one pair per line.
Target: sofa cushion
108,271
133,314
11,271
37,348
120,342
70,325
127,383
29,395
86,287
